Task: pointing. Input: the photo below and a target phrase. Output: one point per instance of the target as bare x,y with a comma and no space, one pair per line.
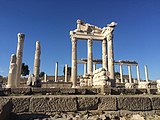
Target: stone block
5,108
44,91
20,104
24,91
141,91
81,91
134,103
53,104
156,103
153,91
87,103
108,103
91,91
130,91
67,91
5,91
117,91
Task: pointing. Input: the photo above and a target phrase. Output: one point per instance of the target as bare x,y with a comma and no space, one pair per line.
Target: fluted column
74,62
138,74
121,72
19,56
146,73
130,74
90,57
12,72
56,72
85,68
104,54
66,73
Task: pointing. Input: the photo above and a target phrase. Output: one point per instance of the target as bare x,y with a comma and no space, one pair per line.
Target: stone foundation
82,107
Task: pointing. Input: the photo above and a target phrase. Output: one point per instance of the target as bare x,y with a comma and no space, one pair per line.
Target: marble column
109,36
74,62
19,56
104,54
130,74
138,74
37,60
121,72
146,73
12,72
36,81
66,73
85,68
94,66
56,72
45,77
90,57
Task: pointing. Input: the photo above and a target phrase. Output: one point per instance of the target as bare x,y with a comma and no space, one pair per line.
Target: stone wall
93,107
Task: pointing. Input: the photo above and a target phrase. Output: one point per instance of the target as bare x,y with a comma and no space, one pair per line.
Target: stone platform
81,107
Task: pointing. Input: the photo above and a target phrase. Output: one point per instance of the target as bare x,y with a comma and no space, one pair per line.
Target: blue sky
136,37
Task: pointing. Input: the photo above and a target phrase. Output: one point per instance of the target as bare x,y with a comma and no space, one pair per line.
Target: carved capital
90,42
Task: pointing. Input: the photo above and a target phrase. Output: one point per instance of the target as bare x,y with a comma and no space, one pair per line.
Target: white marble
12,72
19,56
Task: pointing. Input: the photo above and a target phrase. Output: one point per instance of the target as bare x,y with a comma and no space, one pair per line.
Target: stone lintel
85,36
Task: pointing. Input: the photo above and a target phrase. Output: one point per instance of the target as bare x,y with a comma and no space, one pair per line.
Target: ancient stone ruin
99,94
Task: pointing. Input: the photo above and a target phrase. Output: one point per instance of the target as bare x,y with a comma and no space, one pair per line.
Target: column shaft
104,54
90,57
66,73
56,72
146,73
19,56
121,73
130,74
138,74
110,59
94,66
85,68
74,63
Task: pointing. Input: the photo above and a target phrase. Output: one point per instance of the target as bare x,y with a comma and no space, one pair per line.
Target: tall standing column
130,74
12,72
85,68
19,56
109,36
121,72
74,62
37,60
37,81
90,57
146,73
138,74
104,54
56,72
66,73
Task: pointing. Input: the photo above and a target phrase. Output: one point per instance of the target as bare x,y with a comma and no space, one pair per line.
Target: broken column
56,72
12,72
85,68
19,56
109,36
37,82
